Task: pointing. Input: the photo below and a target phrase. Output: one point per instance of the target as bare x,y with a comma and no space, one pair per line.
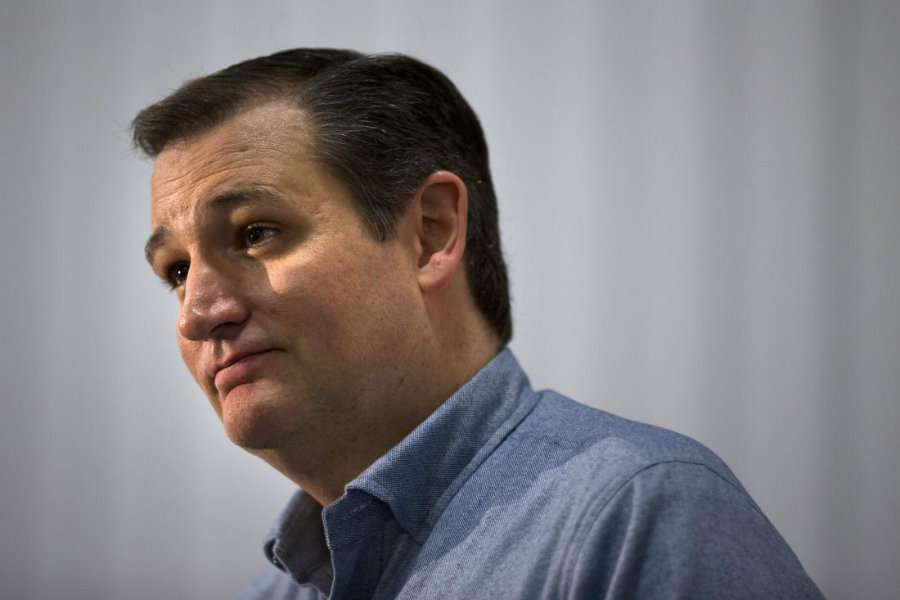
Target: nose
213,304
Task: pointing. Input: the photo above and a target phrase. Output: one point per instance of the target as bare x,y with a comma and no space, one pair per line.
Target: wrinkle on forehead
254,142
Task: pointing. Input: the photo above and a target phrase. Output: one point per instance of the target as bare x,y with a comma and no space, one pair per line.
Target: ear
443,203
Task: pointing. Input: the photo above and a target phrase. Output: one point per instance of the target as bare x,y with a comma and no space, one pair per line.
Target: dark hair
380,123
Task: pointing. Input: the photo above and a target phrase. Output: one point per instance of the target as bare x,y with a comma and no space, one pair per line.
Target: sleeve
680,530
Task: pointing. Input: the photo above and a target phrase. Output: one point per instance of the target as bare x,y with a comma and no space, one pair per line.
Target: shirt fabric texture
504,492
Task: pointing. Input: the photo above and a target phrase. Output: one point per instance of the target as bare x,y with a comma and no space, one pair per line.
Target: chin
252,423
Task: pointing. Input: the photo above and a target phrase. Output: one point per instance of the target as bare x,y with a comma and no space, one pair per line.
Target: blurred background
700,204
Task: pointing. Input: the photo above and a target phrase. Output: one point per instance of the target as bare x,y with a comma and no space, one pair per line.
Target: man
328,223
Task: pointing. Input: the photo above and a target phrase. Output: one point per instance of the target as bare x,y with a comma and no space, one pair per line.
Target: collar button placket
354,529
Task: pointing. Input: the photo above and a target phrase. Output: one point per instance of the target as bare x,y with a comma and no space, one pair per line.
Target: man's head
381,124
328,223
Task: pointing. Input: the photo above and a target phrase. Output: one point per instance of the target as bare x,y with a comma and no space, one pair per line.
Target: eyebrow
222,203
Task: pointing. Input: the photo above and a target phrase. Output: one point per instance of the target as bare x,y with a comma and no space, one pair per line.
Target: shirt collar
297,542
418,477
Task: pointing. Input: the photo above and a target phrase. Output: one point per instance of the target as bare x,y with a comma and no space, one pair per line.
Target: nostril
213,316
213,303
190,323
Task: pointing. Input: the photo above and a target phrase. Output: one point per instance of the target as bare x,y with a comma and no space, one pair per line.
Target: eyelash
173,281
255,227
170,280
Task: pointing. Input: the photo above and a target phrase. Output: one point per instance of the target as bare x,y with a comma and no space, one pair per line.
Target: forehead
254,147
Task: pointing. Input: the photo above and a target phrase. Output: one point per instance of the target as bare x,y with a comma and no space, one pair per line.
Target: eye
176,275
255,234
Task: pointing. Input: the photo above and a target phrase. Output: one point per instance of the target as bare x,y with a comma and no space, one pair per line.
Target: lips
237,368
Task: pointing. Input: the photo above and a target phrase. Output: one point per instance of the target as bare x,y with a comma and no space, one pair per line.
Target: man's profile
328,222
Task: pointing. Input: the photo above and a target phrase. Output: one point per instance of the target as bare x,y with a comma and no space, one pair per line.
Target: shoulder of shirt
602,449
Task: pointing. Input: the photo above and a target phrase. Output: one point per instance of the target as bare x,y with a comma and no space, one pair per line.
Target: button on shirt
504,492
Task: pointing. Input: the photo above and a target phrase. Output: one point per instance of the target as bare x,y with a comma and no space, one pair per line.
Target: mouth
239,369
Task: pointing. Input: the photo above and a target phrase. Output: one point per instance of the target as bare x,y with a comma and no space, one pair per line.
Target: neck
325,457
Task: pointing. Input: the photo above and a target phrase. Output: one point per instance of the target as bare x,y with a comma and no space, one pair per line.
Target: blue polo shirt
504,492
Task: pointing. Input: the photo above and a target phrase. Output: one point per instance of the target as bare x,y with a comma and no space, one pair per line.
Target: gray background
701,210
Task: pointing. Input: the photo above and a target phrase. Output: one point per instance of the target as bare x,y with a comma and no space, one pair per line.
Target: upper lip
235,356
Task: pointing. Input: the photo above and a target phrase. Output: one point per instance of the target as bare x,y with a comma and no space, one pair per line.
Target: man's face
291,317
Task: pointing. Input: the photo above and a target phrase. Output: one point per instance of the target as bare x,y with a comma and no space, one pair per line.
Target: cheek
340,302
311,304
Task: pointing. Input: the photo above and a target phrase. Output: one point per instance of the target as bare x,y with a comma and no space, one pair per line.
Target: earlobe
443,203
